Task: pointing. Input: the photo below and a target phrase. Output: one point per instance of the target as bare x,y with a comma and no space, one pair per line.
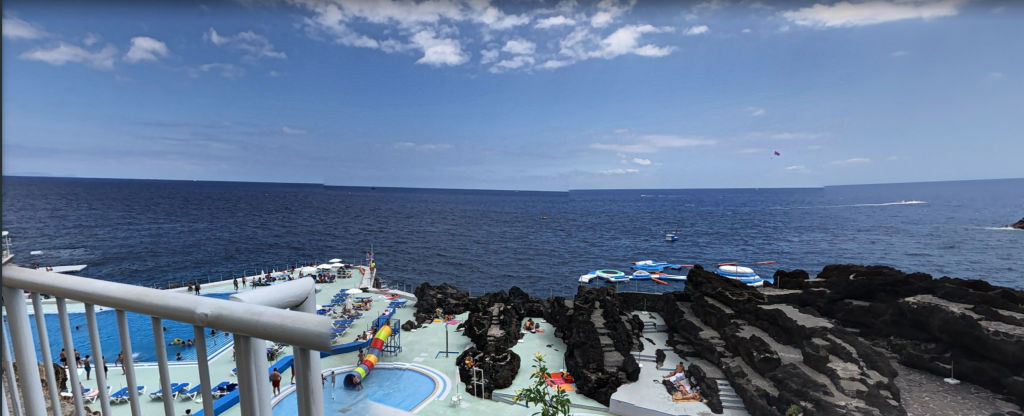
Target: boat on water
745,275
613,276
655,266
671,237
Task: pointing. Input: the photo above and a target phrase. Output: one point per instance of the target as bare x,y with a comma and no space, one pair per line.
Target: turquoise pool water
401,389
140,328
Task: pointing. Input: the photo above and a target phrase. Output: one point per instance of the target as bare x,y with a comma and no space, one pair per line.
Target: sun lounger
343,323
339,331
192,393
223,389
175,389
121,396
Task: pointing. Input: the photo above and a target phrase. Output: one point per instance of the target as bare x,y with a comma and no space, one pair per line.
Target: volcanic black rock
447,298
599,337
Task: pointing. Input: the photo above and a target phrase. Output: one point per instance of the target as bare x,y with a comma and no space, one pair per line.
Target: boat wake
884,204
1001,228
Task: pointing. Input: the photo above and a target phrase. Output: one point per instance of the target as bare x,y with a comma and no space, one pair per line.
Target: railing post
24,352
44,348
161,359
128,363
69,354
12,381
97,353
247,391
260,370
309,371
204,369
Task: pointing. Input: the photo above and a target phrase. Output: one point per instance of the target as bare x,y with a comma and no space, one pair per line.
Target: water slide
356,376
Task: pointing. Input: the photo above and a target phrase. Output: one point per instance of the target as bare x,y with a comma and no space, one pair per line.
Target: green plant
552,403
794,410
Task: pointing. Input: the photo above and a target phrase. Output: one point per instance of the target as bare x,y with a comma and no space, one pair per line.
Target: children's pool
140,328
398,388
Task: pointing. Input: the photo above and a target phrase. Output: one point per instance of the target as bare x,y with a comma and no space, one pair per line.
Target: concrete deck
422,348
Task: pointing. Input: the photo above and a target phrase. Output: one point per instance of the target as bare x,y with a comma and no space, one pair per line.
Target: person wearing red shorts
275,381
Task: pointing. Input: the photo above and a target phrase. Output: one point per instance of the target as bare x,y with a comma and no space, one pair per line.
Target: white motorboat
743,274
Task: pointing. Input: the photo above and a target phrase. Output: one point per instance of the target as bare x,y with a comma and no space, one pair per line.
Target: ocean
155,232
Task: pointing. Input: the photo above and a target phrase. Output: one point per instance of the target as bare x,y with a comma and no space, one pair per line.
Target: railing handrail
289,327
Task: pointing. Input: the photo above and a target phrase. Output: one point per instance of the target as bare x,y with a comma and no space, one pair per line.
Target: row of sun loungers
178,390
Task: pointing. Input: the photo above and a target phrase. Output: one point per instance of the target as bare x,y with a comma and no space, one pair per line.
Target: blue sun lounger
192,393
121,396
175,389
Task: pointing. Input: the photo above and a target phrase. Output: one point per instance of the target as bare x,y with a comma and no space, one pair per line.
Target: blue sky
518,95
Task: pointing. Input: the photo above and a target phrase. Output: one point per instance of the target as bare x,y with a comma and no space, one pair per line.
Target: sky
527,95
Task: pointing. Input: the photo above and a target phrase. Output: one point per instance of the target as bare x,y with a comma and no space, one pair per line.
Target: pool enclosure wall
261,315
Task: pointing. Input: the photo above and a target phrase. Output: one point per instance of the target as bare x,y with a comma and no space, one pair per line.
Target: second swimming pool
399,388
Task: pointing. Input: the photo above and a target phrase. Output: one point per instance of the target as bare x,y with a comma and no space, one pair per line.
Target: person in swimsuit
63,358
275,381
88,369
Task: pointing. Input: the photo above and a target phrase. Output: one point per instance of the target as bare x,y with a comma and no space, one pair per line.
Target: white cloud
488,56
995,75
899,54
891,158
755,111
998,10
608,11
423,146
846,14
851,162
520,47
640,161
696,30
516,62
623,41
494,18
145,48
745,30
652,143
255,46
274,73
619,171
438,51
749,151
554,21
784,29
226,70
288,130
64,53
797,168
90,39
15,28
555,64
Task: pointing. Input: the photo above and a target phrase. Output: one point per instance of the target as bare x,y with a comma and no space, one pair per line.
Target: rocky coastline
1018,225
831,345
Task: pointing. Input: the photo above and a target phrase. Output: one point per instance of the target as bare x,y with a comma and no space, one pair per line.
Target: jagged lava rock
446,297
599,337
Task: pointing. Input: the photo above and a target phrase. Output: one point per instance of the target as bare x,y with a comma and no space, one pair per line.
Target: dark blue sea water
154,232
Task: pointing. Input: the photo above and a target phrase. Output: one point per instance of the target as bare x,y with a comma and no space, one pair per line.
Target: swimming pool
140,328
402,389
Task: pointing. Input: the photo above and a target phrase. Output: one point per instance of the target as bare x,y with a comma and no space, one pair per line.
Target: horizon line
493,190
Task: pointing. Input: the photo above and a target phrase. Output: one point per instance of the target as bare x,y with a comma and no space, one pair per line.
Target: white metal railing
261,315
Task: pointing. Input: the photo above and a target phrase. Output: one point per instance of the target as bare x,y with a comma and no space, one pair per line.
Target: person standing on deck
236,284
275,381
88,369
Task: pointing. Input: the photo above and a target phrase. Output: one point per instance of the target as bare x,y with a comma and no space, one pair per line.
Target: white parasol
334,261
353,291
324,266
